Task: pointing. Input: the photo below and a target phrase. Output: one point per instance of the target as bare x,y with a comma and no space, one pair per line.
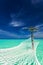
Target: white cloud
20,13
41,25
36,1
16,23
6,34
38,35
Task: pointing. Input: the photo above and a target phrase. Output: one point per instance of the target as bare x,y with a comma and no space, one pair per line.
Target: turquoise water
16,42
40,51
8,43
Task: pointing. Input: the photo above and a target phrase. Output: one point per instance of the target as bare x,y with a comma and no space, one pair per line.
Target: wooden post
32,39
32,30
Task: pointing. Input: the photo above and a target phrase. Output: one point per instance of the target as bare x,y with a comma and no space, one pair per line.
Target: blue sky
16,14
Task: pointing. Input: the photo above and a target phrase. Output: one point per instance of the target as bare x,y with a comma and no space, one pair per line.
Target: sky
16,14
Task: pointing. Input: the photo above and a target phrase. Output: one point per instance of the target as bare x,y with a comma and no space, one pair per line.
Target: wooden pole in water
32,36
32,30
32,39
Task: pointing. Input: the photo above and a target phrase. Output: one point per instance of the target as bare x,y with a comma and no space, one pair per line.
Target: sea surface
19,52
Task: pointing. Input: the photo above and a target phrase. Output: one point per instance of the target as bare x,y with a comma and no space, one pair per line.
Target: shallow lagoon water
39,51
8,43
18,52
